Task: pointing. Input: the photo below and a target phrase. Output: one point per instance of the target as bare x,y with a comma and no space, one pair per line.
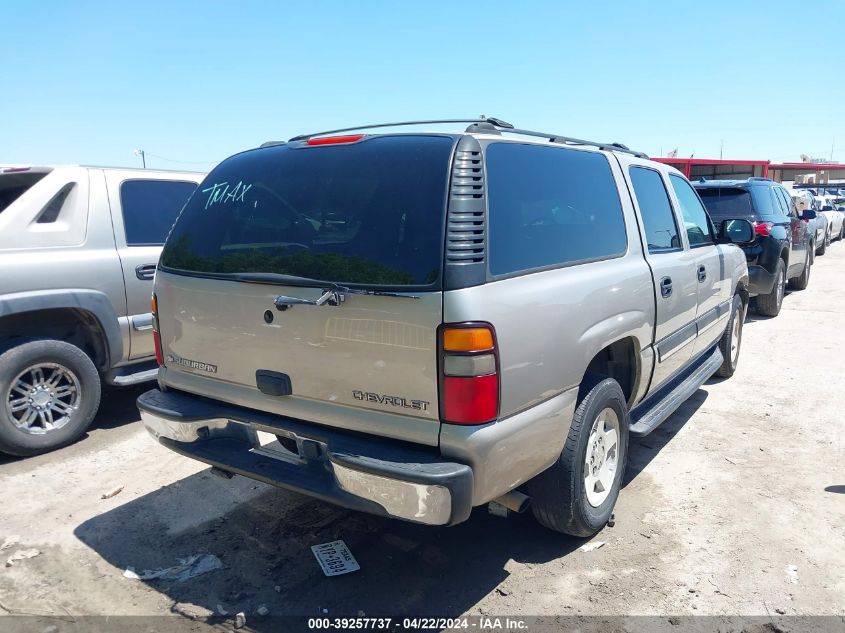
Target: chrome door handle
145,272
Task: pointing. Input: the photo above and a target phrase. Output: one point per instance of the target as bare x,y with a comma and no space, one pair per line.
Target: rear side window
787,201
550,206
777,202
13,185
370,212
727,202
658,218
150,208
695,217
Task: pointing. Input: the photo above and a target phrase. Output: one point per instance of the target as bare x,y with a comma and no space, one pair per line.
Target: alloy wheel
43,398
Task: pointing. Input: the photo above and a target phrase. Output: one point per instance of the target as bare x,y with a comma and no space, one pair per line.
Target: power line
183,162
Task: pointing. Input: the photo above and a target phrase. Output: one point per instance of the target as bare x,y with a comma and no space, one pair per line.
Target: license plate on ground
335,558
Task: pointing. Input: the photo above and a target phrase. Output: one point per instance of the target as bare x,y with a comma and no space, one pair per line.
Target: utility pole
143,155
721,147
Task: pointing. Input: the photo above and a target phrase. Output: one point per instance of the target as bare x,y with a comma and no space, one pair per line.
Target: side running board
655,409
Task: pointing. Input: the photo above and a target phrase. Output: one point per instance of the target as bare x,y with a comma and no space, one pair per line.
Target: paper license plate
335,558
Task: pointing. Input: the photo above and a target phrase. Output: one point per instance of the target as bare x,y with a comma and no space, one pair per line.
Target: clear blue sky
87,82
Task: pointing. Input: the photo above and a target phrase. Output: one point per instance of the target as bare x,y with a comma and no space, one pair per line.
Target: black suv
783,250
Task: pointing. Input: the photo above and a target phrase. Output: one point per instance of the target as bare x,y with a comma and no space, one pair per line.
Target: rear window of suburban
369,213
549,207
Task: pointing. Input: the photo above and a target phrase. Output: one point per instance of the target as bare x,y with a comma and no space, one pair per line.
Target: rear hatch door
273,230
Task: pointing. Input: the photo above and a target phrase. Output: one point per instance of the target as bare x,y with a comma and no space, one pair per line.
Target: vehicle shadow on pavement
644,449
117,406
264,542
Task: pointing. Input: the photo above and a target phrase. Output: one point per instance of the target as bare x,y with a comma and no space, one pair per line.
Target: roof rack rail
496,122
568,140
479,125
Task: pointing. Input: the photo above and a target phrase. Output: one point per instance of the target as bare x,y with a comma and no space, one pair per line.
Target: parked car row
792,229
407,324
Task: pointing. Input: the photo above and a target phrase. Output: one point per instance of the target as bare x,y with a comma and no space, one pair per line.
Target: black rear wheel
800,283
577,493
731,340
769,305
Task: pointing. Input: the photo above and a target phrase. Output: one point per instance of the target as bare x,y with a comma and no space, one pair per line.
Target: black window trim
541,269
123,217
710,225
678,249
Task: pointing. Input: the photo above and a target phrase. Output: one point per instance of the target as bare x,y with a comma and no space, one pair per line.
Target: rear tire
731,340
49,394
769,305
559,495
800,283
821,250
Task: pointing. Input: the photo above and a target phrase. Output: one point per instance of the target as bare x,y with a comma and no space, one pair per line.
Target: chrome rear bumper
368,474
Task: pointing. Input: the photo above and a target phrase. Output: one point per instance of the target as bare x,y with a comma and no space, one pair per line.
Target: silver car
415,324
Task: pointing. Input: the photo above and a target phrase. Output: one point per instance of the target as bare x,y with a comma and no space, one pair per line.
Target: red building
715,169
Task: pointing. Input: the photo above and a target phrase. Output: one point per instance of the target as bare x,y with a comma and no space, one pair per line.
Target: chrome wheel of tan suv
602,457
43,398
49,395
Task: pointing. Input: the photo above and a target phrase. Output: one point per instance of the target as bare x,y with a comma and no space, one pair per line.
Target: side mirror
808,214
827,208
737,231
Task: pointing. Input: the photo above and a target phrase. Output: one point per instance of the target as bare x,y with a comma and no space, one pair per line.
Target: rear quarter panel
549,325
76,251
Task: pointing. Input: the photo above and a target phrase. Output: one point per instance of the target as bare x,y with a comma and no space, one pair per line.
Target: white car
836,220
803,200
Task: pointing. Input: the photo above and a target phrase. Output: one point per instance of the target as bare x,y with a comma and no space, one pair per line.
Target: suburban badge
192,364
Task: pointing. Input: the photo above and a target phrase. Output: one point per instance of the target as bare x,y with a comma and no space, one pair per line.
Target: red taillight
469,381
806,221
156,335
335,140
763,228
470,400
159,355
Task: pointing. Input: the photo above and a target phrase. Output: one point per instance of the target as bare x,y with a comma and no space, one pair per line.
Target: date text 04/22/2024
475,623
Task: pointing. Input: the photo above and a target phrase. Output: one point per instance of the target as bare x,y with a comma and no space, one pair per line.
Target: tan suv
415,324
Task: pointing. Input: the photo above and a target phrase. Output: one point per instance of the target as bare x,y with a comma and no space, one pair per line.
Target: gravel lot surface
736,505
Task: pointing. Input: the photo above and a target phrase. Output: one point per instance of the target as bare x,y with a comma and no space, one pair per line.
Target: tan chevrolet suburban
417,323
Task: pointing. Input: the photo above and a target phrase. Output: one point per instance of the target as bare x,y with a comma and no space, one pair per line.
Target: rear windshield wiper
333,293
308,282
333,296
